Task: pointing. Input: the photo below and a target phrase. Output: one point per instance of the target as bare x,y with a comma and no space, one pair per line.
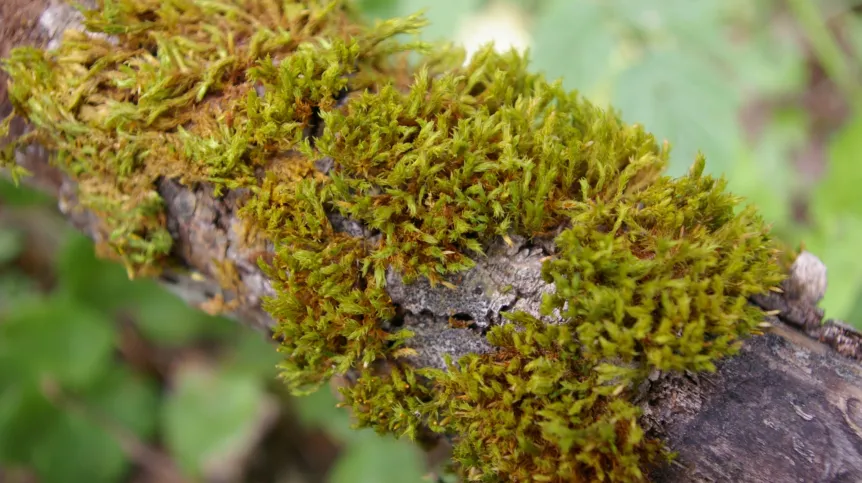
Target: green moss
438,158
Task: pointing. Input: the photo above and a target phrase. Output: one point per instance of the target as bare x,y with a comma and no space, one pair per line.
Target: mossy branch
483,256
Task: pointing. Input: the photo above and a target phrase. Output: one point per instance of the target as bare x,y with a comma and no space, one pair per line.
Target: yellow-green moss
437,157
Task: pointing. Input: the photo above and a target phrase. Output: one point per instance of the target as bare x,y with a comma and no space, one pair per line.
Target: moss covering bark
435,158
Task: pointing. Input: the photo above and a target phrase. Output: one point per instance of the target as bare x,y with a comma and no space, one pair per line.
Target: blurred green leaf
127,399
768,65
764,175
101,284
660,60
68,446
25,416
368,457
75,449
378,9
208,414
15,288
837,212
745,179
377,459
836,243
319,410
838,191
444,16
58,339
166,319
853,31
572,39
11,244
254,354
448,477
684,99
855,315
697,24
21,195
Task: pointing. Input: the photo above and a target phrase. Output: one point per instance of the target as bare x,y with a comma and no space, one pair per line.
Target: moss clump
655,278
434,158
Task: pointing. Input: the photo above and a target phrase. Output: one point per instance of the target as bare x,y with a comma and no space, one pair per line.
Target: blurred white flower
502,23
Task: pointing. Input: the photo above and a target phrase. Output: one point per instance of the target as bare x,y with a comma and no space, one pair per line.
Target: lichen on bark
365,160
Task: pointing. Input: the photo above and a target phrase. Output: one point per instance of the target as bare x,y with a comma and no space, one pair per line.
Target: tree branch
787,408
204,228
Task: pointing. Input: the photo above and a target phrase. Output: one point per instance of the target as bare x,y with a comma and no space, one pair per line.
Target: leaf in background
684,99
378,459
127,399
21,195
378,9
855,315
166,319
763,173
767,65
255,355
689,23
11,244
836,243
55,338
837,210
745,180
76,449
68,446
16,288
100,284
209,415
673,86
444,16
368,457
838,191
853,31
25,416
572,39
319,410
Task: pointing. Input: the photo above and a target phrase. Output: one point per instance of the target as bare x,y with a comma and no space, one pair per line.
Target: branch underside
787,408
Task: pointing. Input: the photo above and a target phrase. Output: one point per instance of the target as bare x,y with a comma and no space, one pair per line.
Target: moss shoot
437,157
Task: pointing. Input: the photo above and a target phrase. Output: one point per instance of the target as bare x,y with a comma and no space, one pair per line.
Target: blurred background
107,380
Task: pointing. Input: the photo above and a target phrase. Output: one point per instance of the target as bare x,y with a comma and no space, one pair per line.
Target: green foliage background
675,66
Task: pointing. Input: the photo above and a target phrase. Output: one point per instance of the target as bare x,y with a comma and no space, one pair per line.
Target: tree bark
788,408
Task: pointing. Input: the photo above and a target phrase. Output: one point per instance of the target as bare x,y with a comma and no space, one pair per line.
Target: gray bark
788,408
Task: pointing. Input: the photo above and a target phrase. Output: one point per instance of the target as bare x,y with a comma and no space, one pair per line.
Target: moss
436,158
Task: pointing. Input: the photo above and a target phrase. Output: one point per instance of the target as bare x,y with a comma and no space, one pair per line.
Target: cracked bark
788,408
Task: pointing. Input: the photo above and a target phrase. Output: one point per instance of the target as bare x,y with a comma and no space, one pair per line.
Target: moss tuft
435,158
